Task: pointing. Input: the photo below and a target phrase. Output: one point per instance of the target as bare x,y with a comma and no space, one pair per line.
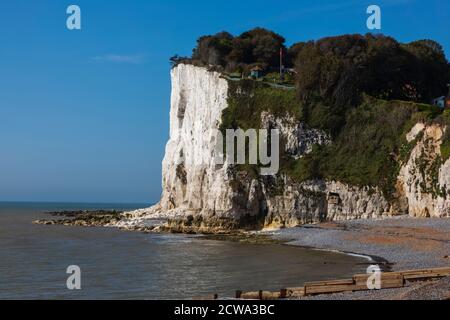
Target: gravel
433,290
396,243
400,256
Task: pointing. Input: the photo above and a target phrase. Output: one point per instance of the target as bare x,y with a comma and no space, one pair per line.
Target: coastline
409,243
394,244
403,242
155,266
371,260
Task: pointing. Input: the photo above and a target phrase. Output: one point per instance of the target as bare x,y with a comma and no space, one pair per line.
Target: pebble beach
395,244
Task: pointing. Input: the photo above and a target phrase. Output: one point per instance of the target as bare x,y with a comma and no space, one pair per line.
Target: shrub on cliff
247,99
257,46
337,70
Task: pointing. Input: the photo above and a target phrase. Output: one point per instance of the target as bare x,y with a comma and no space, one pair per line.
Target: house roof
256,68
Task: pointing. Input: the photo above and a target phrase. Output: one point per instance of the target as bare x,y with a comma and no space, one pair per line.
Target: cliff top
335,69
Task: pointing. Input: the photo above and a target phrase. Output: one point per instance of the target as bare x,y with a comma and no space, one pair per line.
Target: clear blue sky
84,114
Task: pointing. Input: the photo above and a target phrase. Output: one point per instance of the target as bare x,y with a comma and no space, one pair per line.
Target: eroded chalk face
259,147
249,147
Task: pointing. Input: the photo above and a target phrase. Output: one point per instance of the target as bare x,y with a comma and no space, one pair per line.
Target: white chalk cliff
204,196
424,181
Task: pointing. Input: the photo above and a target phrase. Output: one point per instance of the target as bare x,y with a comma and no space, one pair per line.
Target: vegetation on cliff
238,54
366,91
445,147
334,70
247,99
369,148
338,70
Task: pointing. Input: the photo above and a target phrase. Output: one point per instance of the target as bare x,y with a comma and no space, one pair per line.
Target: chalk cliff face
199,195
299,138
425,179
193,185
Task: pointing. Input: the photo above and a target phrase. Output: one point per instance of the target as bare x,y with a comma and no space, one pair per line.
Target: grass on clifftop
247,99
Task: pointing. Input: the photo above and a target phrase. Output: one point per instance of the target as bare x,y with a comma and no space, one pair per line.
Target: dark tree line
255,47
335,71
338,69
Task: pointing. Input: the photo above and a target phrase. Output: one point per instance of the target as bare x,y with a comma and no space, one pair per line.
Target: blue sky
84,114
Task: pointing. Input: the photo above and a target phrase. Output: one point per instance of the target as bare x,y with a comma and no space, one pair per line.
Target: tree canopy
338,69
257,46
335,71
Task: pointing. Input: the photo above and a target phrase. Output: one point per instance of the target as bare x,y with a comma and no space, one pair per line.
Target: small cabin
447,99
289,71
439,102
334,198
256,72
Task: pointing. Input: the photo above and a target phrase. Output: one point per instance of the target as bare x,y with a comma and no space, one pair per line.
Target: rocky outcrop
424,181
316,201
200,195
299,139
80,218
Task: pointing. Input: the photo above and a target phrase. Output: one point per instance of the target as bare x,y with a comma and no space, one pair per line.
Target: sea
115,264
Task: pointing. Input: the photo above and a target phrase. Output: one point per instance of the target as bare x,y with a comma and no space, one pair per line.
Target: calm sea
126,265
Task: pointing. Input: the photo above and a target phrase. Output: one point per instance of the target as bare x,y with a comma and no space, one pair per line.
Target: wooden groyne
358,282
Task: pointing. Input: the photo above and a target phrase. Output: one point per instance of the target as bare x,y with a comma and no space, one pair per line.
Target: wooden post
281,64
